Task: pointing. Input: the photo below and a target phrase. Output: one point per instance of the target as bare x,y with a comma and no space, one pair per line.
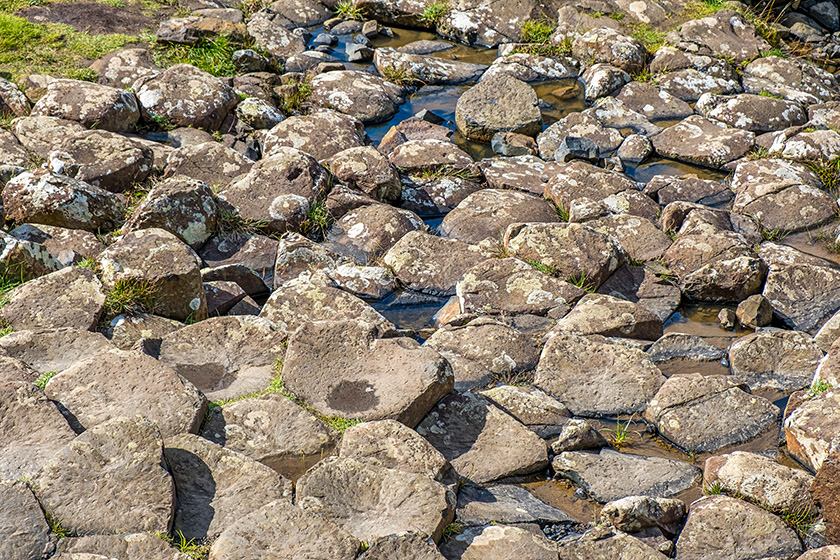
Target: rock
483,350
484,215
70,297
53,349
120,69
341,369
364,168
103,159
609,475
215,487
510,286
322,134
185,208
801,288
281,183
579,180
500,104
809,429
91,395
604,543
431,264
690,84
405,546
430,70
638,236
652,102
270,35
634,513
504,503
607,45
776,359
781,195
577,435
370,231
42,135
755,113
572,148
807,146
372,502
12,99
389,444
642,286
124,331
610,316
111,479
701,414
361,95
725,33
513,144
539,412
186,96
823,553
726,319
824,490
570,365
499,541
711,145
12,153
209,162
481,442
285,532
24,531
159,260
531,68
131,546
429,154
666,189
790,78
754,312
572,251
413,128
760,479
679,346
257,113
600,80
724,527
635,149
91,105
33,430
578,125
43,197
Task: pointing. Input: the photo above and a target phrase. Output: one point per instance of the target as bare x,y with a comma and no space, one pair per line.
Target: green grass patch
537,30
56,528
582,282
774,234
399,75
348,9
647,35
449,171
768,94
620,435
229,223
44,378
542,267
130,296
211,55
191,548
433,13
829,174
317,219
295,97
817,387
54,49
696,9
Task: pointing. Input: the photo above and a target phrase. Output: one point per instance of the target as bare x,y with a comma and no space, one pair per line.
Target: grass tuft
230,224
829,174
211,55
451,531
56,528
580,281
542,267
348,9
295,98
774,234
758,152
768,94
189,547
44,378
817,387
130,296
317,219
433,13
647,35
537,30
620,436
448,171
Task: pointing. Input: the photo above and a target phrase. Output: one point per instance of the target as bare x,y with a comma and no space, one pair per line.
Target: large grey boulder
342,369
366,97
364,168
778,359
499,541
210,162
755,113
699,141
607,543
91,105
610,316
431,70
111,479
726,33
269,31
321,134
506,504
368,232
103,159
500,104
810,428
24,533
607,45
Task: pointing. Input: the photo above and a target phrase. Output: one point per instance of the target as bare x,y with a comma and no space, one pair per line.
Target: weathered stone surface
831,552
760,479
504,503
777,359
370,231
341,369
601,80
499,541
321,134
215,487
791,78
577,435
601,543
89,104
572,250
41,196
272,430
109,480
42,135
429,154
24,533
610,475
802,289
707,413
541,413
634,513
482,442
53,349
603,44
580,180
810,428
680,346
571,365
413,128
525,173
405,546
801,145
71,297
12,99
171,269
210,162
499,104
431,264
389,444
690,84
122,68
824,489
430,70
755,113
754,312
124,331
638,236
484,349
186,96
371,502
103,159
286,532
666,189
226,357
185,208
271,35
487,213
726,33
131,546
510,286
579,125
652,102
531,68
610,316
366,97
640,285
721,527
699,141
92,394
369,171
